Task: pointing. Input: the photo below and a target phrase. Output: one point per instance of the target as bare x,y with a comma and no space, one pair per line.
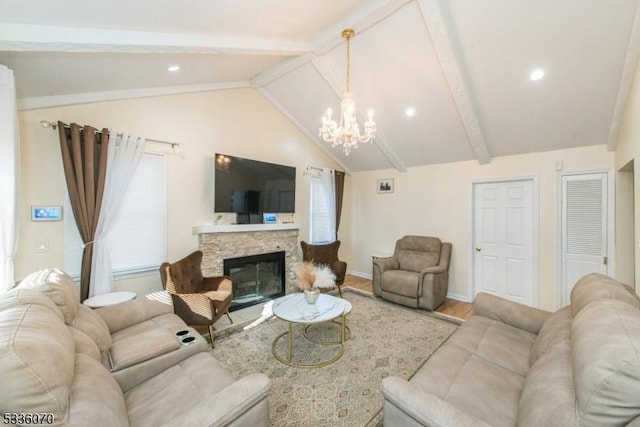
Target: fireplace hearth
255,278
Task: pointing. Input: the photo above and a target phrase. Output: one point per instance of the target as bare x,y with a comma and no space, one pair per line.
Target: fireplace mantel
237,228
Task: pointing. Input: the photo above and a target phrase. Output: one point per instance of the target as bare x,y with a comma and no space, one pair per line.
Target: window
322,222
139,232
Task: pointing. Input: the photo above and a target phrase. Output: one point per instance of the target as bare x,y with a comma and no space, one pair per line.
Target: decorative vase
311,295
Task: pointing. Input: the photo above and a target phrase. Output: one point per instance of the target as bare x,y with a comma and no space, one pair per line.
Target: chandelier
348,132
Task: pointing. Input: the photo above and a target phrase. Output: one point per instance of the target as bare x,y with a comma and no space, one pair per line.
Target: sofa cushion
175,391
415,253
147,345
169,322
57,285
36,356
554,330
489,338
471,383
548,397
605,350
96,398
473,362
597,287
400,282
89,322
85,345
416,260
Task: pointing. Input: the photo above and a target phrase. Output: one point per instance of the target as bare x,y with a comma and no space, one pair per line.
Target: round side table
111,298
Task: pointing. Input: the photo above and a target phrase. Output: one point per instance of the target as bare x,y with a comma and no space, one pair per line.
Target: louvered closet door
584,228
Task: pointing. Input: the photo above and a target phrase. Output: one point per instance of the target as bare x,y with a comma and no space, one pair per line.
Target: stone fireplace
225,242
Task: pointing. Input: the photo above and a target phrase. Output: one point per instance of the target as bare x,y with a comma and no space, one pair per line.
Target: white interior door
504,240
584,237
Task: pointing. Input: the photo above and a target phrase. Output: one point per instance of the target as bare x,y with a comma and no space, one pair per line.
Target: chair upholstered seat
417,275
404,282
198,300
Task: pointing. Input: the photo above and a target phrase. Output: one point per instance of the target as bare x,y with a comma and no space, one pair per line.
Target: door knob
478,249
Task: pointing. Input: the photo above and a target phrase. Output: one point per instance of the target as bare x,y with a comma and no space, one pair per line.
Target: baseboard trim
360,274
458,297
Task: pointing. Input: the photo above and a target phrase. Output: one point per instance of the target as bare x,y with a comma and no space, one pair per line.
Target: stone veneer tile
216,247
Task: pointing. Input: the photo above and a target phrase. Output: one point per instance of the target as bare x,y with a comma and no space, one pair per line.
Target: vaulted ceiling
463,66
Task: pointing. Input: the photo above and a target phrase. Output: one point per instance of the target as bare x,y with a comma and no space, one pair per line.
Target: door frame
535,267
611,237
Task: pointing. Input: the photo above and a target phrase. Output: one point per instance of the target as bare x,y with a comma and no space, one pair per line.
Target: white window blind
140,229
322,228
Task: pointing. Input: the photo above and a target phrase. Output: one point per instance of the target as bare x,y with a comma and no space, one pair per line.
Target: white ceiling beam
114,95
626,80
328,73
459,87
302,129
360,21
25,38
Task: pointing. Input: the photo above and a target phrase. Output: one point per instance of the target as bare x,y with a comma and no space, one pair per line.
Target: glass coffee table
294,309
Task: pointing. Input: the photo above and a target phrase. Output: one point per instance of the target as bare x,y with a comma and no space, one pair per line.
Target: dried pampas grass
305,275
309,275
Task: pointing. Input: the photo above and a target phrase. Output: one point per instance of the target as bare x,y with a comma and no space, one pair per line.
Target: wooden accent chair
196,299
326,255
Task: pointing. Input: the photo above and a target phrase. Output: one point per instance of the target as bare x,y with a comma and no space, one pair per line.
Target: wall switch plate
42,246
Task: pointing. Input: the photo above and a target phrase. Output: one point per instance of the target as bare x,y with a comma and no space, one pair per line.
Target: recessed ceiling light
173,68
410,112
536,74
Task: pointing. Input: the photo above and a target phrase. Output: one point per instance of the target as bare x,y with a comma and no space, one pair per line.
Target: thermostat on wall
46,213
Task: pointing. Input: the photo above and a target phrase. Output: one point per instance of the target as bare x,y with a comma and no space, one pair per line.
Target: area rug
385,339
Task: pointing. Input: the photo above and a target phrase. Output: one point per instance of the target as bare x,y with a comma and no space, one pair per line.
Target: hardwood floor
450,307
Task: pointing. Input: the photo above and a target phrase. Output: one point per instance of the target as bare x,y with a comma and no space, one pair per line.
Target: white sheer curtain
323,208
123,157
9,177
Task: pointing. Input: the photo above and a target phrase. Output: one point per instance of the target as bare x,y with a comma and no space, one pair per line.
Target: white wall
435,200
628,150
236,122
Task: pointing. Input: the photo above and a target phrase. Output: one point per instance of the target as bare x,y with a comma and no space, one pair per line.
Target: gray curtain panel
84,158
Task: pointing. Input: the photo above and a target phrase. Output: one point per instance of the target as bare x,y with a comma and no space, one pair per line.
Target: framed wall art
385,185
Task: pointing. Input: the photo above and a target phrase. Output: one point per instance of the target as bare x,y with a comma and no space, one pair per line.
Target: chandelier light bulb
347,133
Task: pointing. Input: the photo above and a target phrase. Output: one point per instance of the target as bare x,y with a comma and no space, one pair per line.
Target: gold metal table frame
339,319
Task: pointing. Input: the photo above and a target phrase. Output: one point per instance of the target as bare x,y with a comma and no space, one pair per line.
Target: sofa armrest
229,404
512,313
380,265
425,408
436,269
385,264
121,316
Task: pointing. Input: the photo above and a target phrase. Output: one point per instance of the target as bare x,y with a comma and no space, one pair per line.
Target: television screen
251,186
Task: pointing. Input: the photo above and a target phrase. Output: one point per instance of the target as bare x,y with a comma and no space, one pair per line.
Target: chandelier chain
348,37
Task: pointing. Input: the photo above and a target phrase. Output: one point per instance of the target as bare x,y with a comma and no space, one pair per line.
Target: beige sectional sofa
116,366
514,365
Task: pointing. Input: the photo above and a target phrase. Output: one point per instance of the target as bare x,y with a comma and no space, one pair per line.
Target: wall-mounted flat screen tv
250,186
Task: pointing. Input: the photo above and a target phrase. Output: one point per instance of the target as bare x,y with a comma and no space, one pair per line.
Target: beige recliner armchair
417,275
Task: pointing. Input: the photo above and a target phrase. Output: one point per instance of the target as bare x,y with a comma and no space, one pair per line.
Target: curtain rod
54,126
